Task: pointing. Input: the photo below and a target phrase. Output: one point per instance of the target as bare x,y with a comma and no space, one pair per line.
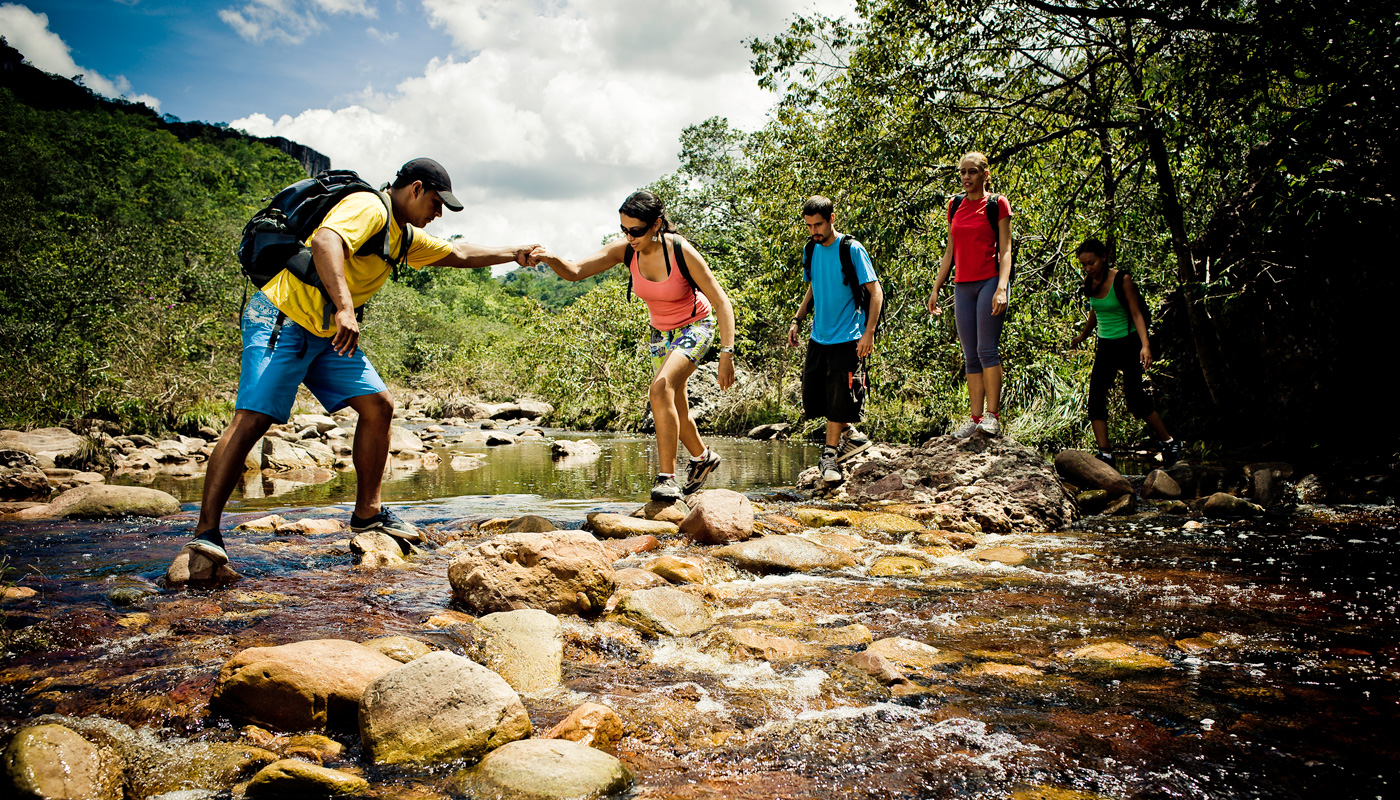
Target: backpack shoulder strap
1118,290
848,267
953,207
627,262
994,217
807,260
685,273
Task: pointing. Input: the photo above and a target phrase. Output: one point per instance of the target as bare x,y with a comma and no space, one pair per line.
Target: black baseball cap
433,177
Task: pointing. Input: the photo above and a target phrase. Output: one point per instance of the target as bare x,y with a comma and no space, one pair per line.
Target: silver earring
656,237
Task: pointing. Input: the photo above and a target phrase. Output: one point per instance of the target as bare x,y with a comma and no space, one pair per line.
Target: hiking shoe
700,469
210,545
385,521
1107,458
665,490
830,472
968,428
851,443
990,425
1171,452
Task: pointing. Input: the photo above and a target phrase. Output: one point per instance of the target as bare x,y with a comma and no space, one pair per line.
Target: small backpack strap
685,273
627,262
807,260
953,208
994,217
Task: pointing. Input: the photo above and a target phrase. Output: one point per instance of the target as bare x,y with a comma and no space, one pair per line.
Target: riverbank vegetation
1228,153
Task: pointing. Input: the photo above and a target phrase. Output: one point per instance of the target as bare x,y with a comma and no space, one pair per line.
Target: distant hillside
40,90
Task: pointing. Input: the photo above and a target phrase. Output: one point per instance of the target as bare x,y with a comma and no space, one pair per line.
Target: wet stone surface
1145,656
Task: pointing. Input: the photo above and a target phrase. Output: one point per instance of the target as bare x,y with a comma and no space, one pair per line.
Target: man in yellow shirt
291,336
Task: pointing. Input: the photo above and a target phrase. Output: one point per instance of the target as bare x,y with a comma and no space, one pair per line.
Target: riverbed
1279,635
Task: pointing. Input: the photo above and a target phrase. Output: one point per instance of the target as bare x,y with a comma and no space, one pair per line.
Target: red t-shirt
974,244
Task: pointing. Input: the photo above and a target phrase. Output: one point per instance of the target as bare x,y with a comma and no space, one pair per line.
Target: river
1280,637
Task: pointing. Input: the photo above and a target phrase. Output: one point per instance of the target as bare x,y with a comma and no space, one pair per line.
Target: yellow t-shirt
356,219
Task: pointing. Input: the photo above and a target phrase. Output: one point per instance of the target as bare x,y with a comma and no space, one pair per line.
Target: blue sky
545,112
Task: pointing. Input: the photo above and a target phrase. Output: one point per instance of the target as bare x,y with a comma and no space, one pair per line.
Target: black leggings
1112,356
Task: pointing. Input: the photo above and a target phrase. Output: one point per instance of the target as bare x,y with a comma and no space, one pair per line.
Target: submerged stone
546,769
294,778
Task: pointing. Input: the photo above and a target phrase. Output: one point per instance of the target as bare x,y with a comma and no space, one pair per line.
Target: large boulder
280,455
298,686
52,447
562,572
575,451
547,769
996,483
718,516
662,612
784,554
524,647
103,502
1158,484
1085,470
472,712
1226,506
51,761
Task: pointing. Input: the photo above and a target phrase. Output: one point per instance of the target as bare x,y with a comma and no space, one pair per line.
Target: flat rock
907,654
751,643
619,526
665,512
562,572
1009,556
292,777
265,524
305,685
578,451
524,647
677,569
718,516
105,502
547,769
632,545
1117,657
311,527
473,711
662,612
52,447
783,554
1226,506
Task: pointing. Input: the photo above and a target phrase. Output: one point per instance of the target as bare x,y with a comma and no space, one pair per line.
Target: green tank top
1114,320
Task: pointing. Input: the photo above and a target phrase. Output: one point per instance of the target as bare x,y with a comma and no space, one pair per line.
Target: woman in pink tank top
683,299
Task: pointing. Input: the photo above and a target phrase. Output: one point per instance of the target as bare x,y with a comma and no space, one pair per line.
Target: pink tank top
669,301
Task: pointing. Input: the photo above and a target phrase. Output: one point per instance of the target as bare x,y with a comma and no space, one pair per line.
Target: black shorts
1112,356
833,385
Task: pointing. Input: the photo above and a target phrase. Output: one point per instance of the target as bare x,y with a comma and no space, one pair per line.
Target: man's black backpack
273,238
680,263
859,293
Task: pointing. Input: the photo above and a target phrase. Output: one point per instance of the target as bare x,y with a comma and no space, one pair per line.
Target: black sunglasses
637,232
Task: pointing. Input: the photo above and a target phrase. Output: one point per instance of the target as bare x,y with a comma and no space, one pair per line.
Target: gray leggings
978,330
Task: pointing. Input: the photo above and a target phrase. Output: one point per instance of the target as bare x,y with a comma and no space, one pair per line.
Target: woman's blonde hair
980,159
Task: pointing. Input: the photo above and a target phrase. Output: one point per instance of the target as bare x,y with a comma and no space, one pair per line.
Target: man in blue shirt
843,334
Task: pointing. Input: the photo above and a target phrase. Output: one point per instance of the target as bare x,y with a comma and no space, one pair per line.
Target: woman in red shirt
683,327
981,259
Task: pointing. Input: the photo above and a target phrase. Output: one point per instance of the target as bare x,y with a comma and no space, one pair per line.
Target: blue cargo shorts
270,376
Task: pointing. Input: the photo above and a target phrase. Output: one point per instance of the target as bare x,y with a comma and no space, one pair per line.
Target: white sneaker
968,428
830,472
989,425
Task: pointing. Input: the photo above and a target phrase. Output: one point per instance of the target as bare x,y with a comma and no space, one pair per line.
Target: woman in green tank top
1122,347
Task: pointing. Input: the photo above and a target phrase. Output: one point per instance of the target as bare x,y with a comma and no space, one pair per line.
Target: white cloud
551,111
290,21
28,32
383,36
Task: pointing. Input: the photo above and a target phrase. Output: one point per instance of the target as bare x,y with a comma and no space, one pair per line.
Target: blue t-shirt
835,316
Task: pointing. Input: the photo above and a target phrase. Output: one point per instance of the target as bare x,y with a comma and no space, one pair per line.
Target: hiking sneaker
385,521
1107,458
851,443
968,428
1171,452
830,472
700,469
665,490
990,425
210,545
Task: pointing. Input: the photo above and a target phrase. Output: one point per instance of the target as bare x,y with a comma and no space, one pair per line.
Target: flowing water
1279,635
